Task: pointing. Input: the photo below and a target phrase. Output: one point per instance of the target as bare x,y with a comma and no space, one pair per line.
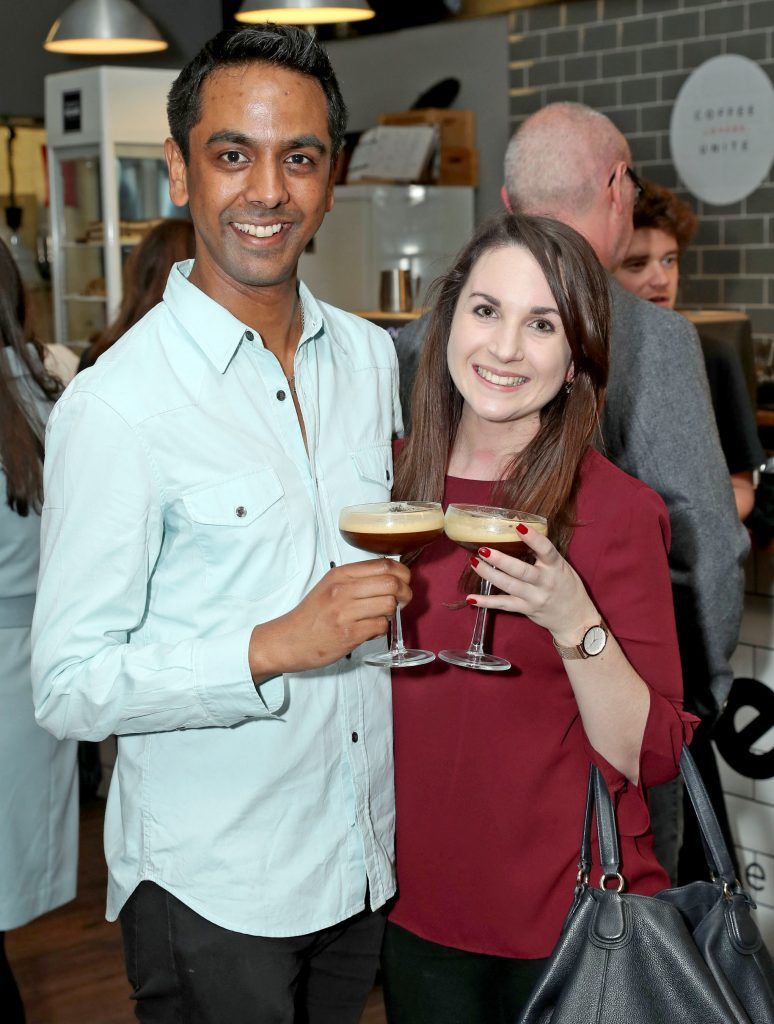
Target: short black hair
283,46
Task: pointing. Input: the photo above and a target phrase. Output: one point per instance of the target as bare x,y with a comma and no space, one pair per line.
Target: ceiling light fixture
103,27
304,12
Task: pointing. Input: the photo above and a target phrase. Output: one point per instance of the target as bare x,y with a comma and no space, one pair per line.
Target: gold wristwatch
592,644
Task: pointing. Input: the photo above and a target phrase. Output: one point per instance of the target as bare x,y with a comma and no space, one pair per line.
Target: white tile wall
752,824
751,801
733,783
758,876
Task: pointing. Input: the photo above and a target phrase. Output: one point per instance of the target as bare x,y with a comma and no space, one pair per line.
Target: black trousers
185,970
11,1006
425,983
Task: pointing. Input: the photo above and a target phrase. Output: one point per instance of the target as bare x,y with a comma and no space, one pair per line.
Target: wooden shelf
713,316
385,314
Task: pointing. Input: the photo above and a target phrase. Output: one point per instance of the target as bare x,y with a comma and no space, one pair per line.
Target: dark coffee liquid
514,548
389,543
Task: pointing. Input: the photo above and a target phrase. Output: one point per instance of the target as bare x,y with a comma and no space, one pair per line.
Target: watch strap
577,651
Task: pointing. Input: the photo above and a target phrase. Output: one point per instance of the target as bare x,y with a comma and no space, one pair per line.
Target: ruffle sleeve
632,589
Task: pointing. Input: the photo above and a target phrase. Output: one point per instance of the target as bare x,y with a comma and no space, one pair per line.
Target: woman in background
664,226
145,278
39,787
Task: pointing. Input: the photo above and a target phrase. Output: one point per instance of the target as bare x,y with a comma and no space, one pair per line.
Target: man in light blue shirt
195,595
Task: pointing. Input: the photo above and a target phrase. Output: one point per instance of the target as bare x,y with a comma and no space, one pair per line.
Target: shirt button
249,335
333,565
354,737
240,511
280,396
348,656
388,474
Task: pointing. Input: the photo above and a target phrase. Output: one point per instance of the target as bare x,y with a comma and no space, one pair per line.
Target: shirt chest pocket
242,529
373,471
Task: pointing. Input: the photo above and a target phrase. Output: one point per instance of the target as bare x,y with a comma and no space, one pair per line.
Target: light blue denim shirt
182,508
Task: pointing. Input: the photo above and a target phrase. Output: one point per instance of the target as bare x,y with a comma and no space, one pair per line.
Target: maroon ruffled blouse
491,768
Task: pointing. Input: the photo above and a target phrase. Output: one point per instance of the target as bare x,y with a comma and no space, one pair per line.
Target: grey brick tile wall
743,231
629,58
600,37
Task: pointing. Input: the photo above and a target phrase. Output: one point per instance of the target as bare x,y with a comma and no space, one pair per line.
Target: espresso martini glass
393,528
473,527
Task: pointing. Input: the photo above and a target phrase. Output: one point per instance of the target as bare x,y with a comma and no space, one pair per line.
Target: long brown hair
21,431
543,477
145,277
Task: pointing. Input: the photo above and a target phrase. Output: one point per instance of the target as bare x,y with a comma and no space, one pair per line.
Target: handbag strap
607,833
718,858
584,861
598,797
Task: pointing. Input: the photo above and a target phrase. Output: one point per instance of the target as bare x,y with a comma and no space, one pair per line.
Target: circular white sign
722,129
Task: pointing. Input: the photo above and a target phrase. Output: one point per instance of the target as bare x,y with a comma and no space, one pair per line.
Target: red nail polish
484,552
521,528
471,600
474,562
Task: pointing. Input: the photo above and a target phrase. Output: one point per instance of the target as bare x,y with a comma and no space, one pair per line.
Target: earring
567,387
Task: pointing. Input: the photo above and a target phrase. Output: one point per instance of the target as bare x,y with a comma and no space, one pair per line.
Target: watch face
594,641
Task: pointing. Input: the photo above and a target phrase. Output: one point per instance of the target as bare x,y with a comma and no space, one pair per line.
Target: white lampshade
304,12
92,27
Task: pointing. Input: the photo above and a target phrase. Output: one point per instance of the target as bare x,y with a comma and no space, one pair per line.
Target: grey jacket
658,425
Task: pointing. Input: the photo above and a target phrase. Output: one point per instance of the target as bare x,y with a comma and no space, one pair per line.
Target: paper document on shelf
393,153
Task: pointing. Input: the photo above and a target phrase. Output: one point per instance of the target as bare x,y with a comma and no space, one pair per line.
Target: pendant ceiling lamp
103,27
304,12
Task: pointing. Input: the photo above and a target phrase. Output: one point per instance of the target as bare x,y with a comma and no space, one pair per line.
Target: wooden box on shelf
458,166
456,127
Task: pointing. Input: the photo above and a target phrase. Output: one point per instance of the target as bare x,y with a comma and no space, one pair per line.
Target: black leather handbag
689,955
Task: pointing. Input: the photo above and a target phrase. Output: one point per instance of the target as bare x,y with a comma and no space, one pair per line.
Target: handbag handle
598,796
718,857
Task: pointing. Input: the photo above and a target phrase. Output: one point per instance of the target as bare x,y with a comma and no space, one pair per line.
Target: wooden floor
69,964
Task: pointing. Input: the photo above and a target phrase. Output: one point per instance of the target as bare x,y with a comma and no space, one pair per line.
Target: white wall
751,801
386,73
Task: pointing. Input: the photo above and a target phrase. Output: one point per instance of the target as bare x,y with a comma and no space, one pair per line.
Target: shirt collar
217,332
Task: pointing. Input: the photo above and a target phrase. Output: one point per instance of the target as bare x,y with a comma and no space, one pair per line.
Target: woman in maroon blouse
491,769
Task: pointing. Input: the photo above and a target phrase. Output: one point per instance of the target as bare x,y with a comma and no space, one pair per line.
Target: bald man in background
571,163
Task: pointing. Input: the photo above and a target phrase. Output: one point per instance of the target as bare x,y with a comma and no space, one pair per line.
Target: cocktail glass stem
397,647
476,648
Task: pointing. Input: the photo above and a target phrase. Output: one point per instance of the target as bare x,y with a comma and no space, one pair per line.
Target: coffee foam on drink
397,518
479,529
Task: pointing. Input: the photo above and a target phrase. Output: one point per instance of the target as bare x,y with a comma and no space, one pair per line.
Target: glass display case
108,184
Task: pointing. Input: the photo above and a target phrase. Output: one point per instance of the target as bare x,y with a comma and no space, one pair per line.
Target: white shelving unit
105,129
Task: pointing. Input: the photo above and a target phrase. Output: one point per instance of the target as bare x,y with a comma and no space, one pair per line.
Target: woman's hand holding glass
548,591
473,525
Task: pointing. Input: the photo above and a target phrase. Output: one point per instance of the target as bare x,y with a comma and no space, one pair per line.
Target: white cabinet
378,227
105,130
